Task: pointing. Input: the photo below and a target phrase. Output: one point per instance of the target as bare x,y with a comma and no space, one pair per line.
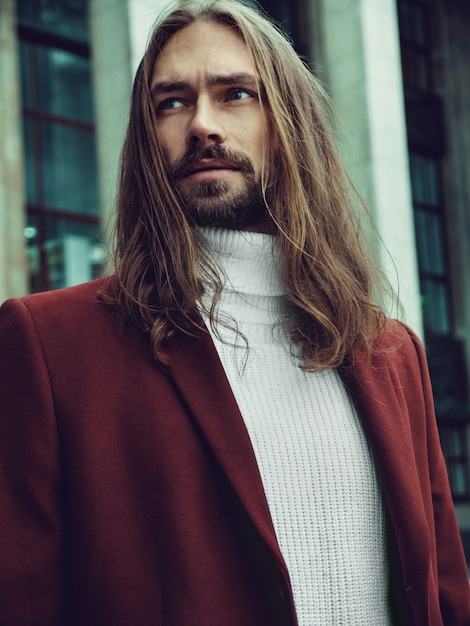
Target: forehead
202,48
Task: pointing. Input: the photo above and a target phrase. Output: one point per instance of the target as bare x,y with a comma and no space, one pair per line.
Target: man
225,432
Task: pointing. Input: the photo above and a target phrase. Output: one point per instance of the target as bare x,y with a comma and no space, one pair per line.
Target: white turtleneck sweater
318,473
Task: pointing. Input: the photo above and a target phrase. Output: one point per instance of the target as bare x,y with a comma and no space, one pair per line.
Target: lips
205,165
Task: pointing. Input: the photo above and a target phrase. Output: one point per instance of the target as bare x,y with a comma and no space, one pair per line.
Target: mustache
196,153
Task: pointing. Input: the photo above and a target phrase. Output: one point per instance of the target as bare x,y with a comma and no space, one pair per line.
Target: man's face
209,124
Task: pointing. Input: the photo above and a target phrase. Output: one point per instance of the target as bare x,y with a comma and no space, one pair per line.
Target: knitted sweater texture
317,470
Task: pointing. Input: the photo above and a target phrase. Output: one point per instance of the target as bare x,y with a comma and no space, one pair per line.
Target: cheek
170,142
167,151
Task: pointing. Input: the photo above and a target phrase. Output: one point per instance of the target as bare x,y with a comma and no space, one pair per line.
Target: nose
205,126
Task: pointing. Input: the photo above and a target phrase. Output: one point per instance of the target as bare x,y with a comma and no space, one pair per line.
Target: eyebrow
243,78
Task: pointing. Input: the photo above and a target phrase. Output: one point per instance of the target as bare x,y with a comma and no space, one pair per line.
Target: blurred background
398,72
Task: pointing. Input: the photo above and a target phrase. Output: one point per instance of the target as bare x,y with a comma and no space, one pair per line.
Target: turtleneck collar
250,261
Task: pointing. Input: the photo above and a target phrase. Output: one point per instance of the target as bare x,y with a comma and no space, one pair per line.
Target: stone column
112,79
359,54
119,33
13,268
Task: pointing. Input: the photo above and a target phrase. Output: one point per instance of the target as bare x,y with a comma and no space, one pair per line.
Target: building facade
397,72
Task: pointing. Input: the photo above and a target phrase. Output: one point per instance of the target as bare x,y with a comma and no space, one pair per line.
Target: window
425,129
430,232
63,234
454,445
415,44
426,143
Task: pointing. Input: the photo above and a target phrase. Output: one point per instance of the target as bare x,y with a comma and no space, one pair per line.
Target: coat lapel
197,372
387,396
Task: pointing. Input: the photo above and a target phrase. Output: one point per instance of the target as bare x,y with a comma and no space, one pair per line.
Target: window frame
37,211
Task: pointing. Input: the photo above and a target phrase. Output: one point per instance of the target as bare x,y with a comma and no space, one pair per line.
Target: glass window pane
64,84
436,238
412,23
430,242
26,74
456,445
424,180
458,479
452,440
30,161
415,67
74,252
417,181
435,300
69,169
422,242
67,18
453,445
31,234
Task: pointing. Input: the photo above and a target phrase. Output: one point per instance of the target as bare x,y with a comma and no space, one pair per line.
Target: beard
221,203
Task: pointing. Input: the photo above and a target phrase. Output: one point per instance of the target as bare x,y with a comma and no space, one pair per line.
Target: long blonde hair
161,265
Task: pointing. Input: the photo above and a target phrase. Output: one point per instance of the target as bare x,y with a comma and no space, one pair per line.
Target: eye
239,94
170,104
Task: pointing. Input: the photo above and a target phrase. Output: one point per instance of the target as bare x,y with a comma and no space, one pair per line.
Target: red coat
130,496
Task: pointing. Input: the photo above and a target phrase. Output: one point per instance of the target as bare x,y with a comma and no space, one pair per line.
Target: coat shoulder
395,334
61,317
79,295
396,345
70,303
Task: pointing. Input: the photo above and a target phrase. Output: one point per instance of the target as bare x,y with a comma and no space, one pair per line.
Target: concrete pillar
142,16
360,55
119,33
13,271
112,78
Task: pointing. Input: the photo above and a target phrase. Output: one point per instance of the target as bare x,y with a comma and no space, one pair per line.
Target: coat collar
388,395
196,370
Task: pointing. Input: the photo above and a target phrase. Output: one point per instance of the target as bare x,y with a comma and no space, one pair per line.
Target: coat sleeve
454,589
30,519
